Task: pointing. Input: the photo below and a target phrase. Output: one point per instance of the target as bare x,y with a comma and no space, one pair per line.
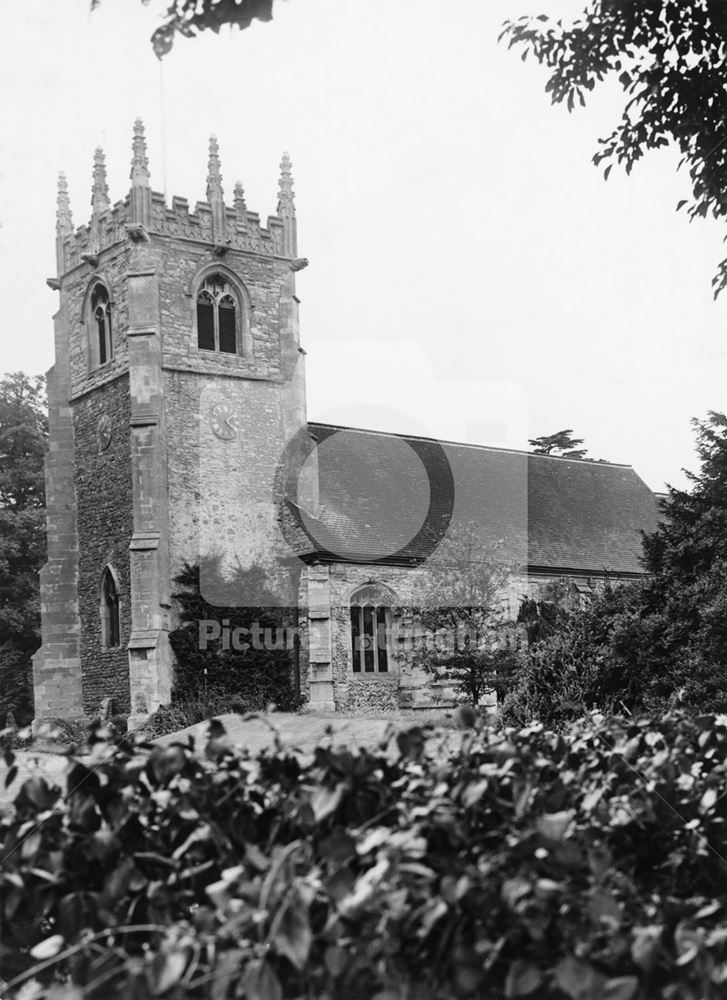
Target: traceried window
109,610
217,316
101,324
370,626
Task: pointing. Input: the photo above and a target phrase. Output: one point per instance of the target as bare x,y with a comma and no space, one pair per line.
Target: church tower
176,398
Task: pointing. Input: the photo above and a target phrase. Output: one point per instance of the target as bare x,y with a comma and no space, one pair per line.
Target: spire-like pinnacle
64,219
285,195
286,207
214,177
215,195
240,206
139,161
64,223
100,192
140,197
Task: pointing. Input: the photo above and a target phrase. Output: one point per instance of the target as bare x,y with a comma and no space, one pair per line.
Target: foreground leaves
492,864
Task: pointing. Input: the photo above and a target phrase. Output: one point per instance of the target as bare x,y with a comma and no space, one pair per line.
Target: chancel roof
391,498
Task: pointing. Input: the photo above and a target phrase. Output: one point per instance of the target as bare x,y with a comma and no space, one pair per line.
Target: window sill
213,352
390,676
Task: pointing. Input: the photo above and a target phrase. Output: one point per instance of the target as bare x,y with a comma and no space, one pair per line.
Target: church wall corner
105,523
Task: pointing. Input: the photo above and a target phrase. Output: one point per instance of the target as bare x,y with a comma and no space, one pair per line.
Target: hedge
480,864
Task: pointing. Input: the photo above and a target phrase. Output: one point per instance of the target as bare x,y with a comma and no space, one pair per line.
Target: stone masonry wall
221,494
181,264
105,524
111,270
57,664
405,686
263,282
353,692
224,495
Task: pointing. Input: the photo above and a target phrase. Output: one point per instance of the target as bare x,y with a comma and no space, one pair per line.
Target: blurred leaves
187,18
493,863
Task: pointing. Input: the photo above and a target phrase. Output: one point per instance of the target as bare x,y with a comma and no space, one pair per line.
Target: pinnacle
139,160
285,184
214,177
64,218
100,190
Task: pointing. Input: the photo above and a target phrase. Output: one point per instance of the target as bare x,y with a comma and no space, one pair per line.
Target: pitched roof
388,497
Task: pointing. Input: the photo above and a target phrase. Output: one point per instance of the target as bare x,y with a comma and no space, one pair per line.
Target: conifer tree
562,444
653,644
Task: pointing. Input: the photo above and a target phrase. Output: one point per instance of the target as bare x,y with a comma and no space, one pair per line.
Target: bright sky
471,274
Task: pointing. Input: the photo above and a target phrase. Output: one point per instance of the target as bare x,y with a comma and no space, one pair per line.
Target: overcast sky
471,275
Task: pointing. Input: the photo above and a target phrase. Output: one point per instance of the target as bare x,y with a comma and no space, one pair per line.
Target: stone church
178,430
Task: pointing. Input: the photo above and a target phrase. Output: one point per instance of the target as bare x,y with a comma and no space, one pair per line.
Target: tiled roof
390,497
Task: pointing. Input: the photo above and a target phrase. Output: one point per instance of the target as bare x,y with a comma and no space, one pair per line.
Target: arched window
217,316
370,627
109,610
101,324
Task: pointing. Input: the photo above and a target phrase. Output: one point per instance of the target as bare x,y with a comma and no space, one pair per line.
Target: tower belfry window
101,324
217,316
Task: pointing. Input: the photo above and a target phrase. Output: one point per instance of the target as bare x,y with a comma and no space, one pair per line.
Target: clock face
224,421
103,432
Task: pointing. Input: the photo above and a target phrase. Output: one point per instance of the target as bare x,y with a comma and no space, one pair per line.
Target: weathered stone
158,489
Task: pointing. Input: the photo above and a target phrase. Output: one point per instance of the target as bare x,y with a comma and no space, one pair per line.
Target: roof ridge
464,444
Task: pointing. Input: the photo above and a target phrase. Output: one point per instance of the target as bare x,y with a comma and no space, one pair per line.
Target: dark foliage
23,434
189,17
668,57
685,603
210,673
541,618
520,863
562,443
650,644
584,658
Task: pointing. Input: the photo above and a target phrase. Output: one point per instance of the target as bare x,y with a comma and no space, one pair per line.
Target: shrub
16,684
580,659
650,644
517,863
188,712
69,732
219,673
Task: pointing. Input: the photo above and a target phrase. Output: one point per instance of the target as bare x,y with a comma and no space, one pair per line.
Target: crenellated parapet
106,229
240,230
144,213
